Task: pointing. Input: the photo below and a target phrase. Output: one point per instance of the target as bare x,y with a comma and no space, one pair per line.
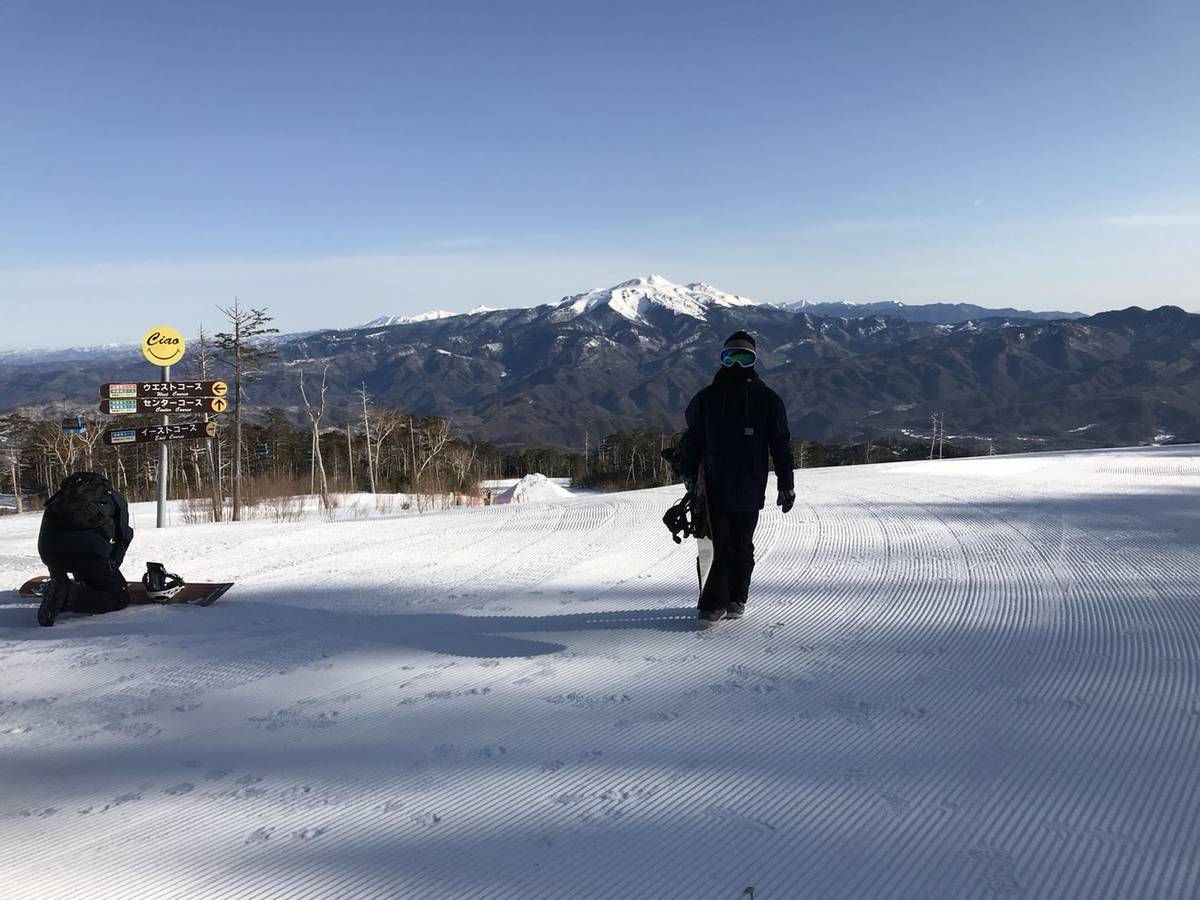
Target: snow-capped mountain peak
432,315
385,321
634,298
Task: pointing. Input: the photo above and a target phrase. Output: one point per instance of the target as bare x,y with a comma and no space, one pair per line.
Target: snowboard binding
159,583
687,517
684,518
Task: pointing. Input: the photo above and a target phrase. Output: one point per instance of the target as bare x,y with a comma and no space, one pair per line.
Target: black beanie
743,340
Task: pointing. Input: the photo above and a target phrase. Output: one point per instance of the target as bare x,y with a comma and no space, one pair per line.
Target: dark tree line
403,454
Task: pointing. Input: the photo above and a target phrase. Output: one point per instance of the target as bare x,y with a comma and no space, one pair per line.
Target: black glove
786,500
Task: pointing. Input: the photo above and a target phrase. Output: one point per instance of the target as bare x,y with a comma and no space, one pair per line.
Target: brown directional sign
135,390
158,434
163,406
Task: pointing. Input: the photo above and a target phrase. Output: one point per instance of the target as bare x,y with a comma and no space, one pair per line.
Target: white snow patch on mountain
387,321
432,316
633,299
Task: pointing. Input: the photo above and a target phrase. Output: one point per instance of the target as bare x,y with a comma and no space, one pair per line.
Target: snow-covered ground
505,483
968,678
533,488
308,507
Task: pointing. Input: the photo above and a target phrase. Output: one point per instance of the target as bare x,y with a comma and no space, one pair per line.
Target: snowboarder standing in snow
85,532
733,425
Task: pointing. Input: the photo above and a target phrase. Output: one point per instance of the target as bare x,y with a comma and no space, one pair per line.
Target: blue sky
334,162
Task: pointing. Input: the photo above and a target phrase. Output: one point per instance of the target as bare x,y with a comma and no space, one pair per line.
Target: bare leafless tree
314,416
92,435
212,447
246,358
461,459
387,421
435,433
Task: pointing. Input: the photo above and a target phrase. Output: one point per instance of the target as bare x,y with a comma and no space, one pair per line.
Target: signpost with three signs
163,347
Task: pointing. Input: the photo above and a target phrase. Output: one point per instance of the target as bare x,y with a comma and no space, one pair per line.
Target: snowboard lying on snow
199,594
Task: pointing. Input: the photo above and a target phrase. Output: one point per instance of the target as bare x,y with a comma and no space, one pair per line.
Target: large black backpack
84,503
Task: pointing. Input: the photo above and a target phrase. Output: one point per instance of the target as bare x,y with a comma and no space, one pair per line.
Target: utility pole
937,441
15,470
163,471
367,429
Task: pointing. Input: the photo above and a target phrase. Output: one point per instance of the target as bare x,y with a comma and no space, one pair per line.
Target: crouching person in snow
85,532
733,425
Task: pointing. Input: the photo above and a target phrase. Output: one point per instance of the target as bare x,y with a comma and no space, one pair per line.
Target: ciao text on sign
163,389
163,346
159,434
163,406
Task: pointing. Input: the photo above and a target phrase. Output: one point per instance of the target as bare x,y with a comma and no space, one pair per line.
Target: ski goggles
738,356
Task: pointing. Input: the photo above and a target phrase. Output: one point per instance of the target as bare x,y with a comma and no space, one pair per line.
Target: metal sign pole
162,464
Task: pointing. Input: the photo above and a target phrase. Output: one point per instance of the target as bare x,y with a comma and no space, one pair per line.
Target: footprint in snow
29,813
180,789
112,804
140,730
738,820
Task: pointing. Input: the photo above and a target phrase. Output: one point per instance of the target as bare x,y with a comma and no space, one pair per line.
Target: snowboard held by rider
736,430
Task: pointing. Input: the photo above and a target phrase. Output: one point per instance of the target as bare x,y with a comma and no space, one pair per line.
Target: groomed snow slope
960,679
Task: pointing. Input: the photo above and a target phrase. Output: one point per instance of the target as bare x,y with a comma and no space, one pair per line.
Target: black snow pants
99,585
733,559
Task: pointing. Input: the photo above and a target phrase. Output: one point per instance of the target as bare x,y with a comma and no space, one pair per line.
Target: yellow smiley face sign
163,346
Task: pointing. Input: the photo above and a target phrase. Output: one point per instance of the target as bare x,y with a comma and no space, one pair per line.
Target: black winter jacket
53,542
733,425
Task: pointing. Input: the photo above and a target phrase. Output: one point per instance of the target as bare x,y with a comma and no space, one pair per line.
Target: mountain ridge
939,313
689,299
632,356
